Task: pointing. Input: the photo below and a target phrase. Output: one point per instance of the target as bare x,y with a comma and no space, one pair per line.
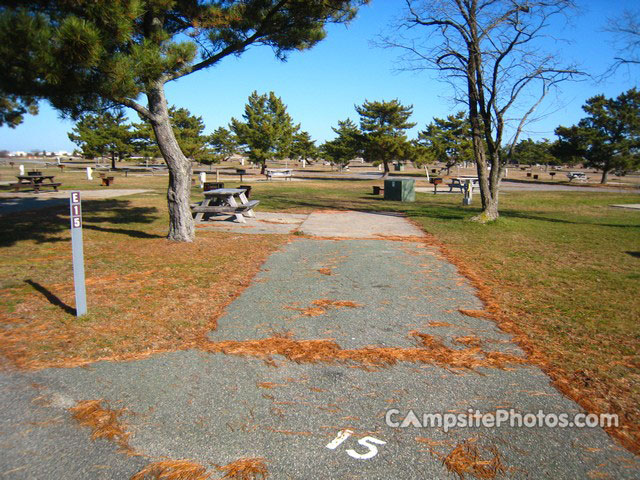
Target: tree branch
235,47
127,102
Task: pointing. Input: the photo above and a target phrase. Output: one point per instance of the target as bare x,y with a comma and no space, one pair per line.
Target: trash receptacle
398,167
400,189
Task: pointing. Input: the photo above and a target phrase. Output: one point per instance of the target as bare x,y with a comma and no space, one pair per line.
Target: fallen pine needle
245,469
173,470
465,459
104,422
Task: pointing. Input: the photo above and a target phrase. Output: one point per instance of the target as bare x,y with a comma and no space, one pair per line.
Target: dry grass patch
145,294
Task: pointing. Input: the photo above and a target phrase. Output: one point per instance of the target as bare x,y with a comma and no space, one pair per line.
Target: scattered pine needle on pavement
173,470
245,469
465,459
104,422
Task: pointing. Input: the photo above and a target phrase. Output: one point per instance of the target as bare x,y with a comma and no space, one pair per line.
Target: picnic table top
464,178
223,192
31,177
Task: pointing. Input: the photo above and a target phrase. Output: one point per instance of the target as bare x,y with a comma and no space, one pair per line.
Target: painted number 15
368,442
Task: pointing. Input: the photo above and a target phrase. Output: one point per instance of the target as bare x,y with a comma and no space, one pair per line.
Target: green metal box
400,189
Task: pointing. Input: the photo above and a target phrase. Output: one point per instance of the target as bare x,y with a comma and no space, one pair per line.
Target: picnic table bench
34,182
223,201
279,173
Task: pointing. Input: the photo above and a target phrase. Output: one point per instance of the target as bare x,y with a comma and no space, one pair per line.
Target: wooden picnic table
35,182
459,182
285,173
225,201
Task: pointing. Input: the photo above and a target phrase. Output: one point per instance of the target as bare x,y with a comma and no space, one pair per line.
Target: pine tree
13,109
609,137
103,134
530,152
267,131
346,146
224,144
303,148
384,125
84,55
449,139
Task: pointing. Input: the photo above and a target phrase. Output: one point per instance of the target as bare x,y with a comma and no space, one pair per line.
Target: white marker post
78,253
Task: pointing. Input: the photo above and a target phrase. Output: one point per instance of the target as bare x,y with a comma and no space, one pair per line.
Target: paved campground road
280,394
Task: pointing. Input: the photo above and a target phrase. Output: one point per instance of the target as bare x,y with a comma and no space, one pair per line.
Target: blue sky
321,86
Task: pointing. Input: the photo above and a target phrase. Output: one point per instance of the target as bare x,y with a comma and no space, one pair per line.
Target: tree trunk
181,225
263,168
113,161
386,169
605,174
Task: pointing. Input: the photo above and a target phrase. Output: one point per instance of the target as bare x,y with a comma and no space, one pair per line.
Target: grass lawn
564,266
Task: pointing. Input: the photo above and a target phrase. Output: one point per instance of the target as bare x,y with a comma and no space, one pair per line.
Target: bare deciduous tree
626,30
490,52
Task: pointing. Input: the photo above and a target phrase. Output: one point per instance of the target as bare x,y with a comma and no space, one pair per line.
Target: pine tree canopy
303,147
223,143
103,134
346,146
13,109
384,125
83,54
267,130
449,139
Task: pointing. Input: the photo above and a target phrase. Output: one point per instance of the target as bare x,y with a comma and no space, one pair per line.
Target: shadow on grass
46,225
539,216
370,203
53,300
634,254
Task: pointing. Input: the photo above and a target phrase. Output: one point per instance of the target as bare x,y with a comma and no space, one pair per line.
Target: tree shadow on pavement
541,216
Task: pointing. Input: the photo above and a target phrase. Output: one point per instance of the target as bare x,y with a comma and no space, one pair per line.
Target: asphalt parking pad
215,408
351,224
